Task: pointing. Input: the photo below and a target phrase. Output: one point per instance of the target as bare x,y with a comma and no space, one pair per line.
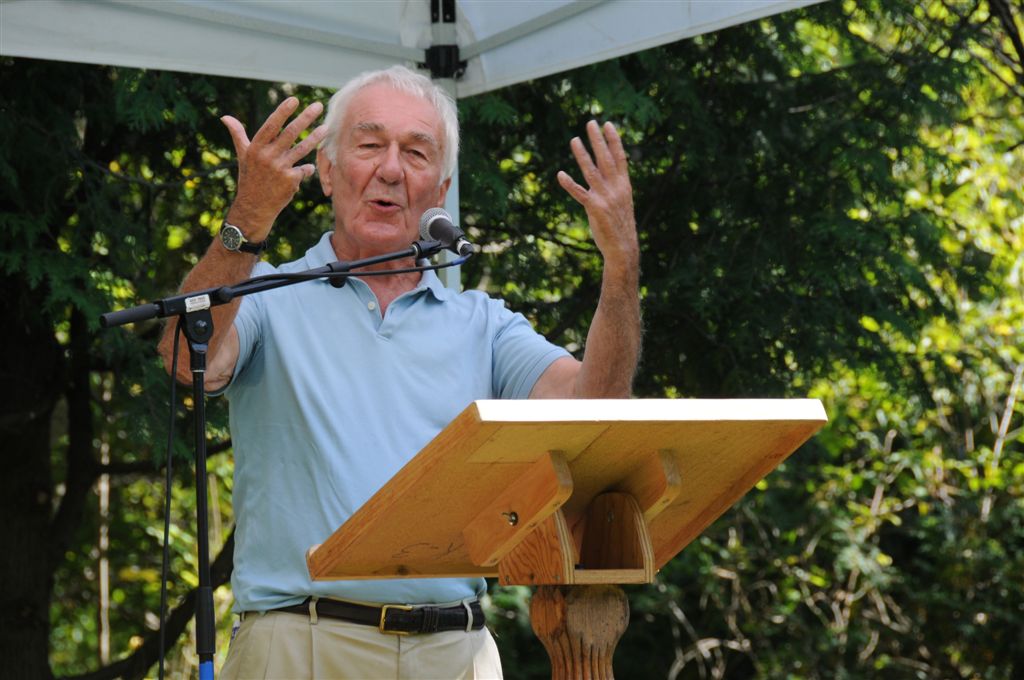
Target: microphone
436,225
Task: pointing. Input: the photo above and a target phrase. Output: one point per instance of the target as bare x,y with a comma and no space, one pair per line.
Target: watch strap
254,248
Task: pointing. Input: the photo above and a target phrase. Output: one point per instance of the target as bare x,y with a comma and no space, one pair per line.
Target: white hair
404,80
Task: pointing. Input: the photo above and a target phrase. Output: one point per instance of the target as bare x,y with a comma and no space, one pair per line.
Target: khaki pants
283,646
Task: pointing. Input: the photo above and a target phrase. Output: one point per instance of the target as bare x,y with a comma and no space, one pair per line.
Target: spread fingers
608,150
302,149
598,144
586,163
301,122
272,126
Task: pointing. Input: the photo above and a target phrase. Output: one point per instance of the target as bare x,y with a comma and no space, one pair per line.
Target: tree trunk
30,376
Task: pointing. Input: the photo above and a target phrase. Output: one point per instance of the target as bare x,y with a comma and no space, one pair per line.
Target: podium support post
579,626
578,610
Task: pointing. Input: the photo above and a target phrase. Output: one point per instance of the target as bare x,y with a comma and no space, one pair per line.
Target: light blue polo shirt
329,400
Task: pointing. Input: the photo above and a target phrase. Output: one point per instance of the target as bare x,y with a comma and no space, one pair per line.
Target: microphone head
428,217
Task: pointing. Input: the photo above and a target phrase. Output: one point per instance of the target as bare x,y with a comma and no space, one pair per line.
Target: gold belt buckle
383,615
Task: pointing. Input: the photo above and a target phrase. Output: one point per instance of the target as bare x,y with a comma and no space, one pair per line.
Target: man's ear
442,192
323,170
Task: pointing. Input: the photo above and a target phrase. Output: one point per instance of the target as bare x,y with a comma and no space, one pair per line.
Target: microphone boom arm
185,303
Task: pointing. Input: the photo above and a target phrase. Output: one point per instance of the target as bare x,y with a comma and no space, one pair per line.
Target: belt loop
312,611
469,616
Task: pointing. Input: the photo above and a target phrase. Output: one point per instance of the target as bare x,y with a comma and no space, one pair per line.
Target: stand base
580,626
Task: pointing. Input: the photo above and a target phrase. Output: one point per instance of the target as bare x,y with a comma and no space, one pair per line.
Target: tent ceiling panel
601,31
317,42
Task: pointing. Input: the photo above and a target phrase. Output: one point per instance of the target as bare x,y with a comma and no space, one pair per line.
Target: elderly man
333,390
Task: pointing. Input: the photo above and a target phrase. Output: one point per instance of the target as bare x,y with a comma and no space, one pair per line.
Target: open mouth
384,204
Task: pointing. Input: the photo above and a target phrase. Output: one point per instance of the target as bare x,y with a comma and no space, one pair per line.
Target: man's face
388,171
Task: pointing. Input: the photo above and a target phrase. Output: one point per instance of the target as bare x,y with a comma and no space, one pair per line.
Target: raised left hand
608,197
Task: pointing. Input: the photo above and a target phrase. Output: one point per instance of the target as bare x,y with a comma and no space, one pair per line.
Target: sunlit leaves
827,204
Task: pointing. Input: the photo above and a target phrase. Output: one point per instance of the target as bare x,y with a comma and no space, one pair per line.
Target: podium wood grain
498,471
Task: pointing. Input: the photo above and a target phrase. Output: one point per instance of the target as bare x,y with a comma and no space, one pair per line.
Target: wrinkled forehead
383,109
372,128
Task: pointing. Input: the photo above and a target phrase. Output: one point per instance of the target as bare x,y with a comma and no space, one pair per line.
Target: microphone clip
427,248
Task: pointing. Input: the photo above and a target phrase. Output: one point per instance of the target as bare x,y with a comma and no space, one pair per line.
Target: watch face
231,237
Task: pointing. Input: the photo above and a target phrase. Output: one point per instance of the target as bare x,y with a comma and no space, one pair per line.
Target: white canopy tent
473,46
325,42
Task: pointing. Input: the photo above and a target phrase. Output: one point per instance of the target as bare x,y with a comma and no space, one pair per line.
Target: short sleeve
248,325
521,355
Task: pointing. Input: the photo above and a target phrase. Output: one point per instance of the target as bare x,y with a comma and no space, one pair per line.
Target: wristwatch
234,240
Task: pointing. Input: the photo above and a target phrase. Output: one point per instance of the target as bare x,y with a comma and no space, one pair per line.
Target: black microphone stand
197,324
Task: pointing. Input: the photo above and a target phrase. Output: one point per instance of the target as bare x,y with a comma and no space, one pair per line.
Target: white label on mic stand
194,304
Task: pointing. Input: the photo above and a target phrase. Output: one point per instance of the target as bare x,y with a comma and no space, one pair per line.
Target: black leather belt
397,619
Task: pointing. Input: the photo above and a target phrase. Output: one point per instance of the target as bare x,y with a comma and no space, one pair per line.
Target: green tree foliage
829,203
113,181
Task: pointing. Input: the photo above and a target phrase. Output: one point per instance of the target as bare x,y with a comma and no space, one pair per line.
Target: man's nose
390,170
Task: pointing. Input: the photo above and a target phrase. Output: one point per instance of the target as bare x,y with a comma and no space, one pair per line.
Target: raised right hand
268,176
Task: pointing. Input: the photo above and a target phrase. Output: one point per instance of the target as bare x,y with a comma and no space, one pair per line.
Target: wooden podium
575,496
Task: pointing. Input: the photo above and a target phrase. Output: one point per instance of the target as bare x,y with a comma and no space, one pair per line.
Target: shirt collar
322,253
429,281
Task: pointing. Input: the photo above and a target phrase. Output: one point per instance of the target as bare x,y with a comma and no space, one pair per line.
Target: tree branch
1004,426
81,464
1012,87
1005,14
